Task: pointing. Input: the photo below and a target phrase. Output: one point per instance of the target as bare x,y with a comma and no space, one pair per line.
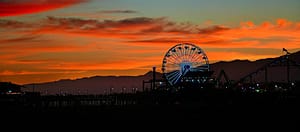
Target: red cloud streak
21,7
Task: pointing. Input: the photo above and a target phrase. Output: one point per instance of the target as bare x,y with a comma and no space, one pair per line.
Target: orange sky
54,48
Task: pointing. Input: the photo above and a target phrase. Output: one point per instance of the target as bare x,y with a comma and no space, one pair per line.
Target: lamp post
287,64
154,78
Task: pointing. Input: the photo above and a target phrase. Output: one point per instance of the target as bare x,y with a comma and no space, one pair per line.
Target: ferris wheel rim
183,67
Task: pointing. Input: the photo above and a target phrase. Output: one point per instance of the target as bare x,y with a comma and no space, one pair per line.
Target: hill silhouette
115,84
93,85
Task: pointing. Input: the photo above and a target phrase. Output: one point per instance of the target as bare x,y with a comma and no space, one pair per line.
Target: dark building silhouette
9,88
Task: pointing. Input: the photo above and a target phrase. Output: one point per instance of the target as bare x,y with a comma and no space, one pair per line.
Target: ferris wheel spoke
175,79
169,59
173,65
173,61
198,57
179,51
175,52
183,53
193,58
172,73
195,55
175,57
189,57
174,76
189,53
172,69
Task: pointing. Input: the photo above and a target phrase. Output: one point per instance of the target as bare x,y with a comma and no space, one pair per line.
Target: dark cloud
12,24
118,11
140,24
68,22
158,40
143,25
214,41
79,22
19,39
134,21
265,40
212,29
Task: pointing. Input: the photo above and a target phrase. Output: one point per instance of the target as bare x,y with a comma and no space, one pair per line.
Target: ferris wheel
183,59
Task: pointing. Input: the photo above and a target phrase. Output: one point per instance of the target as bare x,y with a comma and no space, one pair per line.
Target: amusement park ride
186,66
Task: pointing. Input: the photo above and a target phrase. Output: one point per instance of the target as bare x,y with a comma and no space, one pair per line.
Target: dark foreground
217,107
258,113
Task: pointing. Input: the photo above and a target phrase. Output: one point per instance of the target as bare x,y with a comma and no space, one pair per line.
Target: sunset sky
48,40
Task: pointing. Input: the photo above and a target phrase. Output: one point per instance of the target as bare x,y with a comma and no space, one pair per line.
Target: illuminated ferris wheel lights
183,59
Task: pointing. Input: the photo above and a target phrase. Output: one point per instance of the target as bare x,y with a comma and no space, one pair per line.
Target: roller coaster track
281,61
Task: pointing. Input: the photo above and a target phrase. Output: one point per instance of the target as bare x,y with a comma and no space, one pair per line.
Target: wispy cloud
18,39
162,30
118,11
212,29
13,24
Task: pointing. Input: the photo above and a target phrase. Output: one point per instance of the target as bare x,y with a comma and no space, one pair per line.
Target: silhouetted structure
281,61
219,82
154,78
9,88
